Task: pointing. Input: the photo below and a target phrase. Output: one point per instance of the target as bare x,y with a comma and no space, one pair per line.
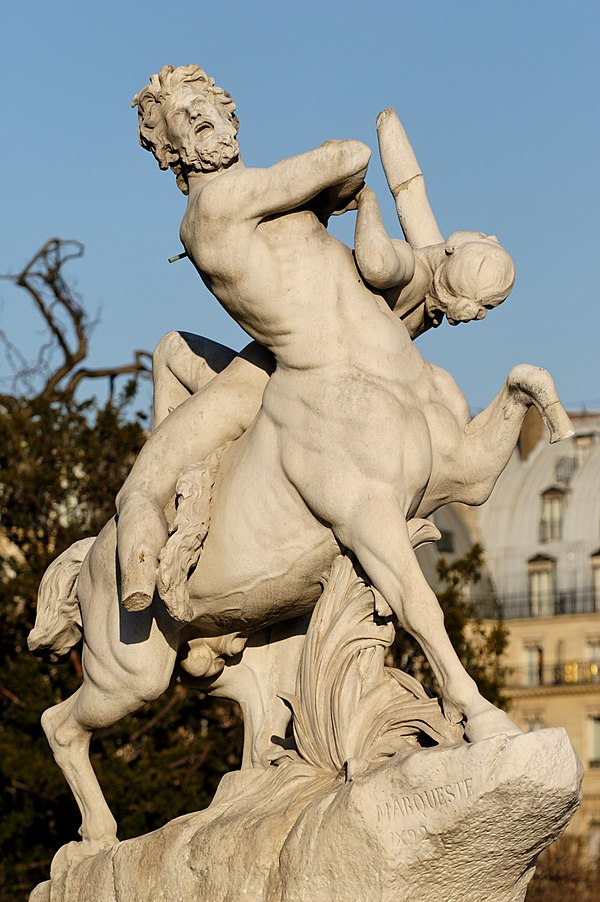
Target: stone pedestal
461,823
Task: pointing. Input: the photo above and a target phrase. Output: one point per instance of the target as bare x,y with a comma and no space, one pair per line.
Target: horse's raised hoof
72,852
537,384
558,422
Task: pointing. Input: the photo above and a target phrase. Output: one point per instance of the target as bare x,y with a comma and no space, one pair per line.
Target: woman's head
476,276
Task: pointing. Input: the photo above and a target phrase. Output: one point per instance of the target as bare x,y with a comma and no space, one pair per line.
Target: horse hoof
490,722
538,386
72,852
558,423
201,660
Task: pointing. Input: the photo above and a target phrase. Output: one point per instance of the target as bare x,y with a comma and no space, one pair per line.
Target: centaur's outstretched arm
293,182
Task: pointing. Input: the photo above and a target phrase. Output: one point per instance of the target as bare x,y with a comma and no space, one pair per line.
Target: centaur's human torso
351,401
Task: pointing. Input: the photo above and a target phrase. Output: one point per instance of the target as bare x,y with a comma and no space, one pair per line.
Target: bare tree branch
43,279
136,367
13,354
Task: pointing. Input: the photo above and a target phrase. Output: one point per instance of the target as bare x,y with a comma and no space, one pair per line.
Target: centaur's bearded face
200,130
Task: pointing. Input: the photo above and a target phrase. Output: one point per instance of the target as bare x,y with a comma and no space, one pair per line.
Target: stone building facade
541,534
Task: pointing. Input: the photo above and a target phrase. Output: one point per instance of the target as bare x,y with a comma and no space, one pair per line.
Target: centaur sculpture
355,442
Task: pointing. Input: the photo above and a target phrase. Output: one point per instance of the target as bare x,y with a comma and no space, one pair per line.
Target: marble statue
301,473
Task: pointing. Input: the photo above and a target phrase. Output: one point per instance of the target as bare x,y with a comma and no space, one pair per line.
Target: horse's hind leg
378,534
534,385
490,438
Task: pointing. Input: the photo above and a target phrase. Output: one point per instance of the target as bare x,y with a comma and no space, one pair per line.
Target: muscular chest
293,239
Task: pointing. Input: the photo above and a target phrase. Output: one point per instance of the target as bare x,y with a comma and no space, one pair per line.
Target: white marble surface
329,432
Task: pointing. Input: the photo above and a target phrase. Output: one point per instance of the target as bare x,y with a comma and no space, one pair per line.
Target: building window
534,665
565,468
445,544
594,842
542,586
534,722
592,667
596,579
551,519
583,446
595,742
573,672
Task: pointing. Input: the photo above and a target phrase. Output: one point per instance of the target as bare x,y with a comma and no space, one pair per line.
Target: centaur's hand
338,199
347,195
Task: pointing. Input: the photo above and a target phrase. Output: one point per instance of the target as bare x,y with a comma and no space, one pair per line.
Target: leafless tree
68,326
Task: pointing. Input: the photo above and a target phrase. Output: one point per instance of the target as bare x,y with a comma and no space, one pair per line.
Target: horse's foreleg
490,438
101,701
69,740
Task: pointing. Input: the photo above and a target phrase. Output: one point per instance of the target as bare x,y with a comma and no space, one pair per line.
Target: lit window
551,520
593,667
573,672
534,665
542,586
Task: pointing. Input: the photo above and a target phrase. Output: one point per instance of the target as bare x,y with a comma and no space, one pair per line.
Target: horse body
265,553
269,545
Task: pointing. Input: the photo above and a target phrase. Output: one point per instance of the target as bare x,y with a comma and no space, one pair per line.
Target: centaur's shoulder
228,197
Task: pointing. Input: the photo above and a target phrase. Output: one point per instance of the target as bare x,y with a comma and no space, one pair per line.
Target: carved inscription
408,837
420,802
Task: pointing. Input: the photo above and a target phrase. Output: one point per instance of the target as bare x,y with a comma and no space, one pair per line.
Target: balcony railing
567,673
551,604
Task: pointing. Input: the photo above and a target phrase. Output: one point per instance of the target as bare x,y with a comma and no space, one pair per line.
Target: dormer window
551,519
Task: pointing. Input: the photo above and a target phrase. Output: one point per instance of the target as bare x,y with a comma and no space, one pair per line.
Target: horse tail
58,624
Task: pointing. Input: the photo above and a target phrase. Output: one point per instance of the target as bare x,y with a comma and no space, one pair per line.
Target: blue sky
500,101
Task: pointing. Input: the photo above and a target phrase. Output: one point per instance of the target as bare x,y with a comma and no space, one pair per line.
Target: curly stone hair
153,135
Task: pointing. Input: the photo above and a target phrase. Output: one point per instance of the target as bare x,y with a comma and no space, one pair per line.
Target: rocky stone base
462,823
